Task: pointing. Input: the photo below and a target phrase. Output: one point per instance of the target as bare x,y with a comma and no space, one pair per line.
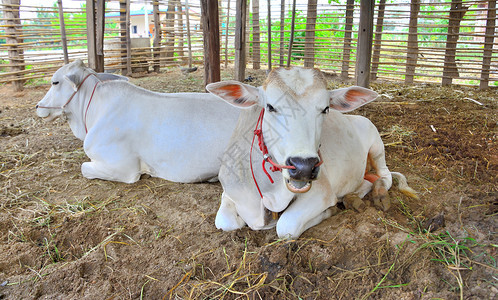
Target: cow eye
326,110
55,82
270,108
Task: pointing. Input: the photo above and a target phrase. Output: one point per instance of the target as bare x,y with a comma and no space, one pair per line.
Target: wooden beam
348,31
309,37
378,40
99,35
488,44
269,34
282,27
291,42
240,39
364,48
227,26
211,30
156,43
128,39
90,34
189,39
450,70
63,32
256,46
13,31
412,51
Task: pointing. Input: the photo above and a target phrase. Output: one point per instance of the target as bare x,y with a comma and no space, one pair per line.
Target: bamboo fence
448,42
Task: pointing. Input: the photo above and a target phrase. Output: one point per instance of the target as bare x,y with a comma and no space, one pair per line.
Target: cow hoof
228,223
381,199
353,201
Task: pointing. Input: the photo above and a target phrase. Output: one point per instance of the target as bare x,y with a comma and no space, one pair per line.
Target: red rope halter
258,131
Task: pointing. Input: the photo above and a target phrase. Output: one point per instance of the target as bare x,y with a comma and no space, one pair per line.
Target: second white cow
128,131
294,124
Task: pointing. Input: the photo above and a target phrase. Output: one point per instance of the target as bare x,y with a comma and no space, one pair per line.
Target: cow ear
73,81
235,93
348,99
79,63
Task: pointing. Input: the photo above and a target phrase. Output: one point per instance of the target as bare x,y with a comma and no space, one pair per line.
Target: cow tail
403,185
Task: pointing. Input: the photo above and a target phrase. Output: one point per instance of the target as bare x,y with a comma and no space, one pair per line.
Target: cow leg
227,217
377,160
306,211
127,173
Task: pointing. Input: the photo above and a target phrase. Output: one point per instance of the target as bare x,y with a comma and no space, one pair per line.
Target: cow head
65,82
296,101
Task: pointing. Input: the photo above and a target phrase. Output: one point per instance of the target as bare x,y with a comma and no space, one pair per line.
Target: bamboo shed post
309,37
348,31
412,51
256,46
123,32
156,43
240,39
269,34
95,34
13,31
179,19
450,70
291,42
227,24
488,44
99,36
211,30
364,48
189,39
170,31
63,32
129,70
378,39
282,27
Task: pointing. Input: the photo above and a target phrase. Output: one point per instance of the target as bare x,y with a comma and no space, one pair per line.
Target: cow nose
36,106
305,168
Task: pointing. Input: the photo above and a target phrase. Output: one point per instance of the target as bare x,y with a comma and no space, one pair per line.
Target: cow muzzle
304,172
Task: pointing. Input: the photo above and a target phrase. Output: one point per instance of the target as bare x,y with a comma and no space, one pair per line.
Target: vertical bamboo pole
99,35
309,44
269,34
488,44
179,14
378,39
90,34
63,32
189,38
364,48
227,24
450,70
240,40
170,34
13,31
291,42
412,51
211,29
128,39
256,46
156,43
282,27
123,32
348,31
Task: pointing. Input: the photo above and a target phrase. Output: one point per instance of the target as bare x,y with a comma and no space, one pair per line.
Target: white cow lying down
302,129
128,131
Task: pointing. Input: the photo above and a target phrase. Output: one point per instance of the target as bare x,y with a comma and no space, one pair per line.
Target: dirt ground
66,237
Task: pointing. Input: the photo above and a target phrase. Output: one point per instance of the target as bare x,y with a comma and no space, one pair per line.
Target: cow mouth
298,186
